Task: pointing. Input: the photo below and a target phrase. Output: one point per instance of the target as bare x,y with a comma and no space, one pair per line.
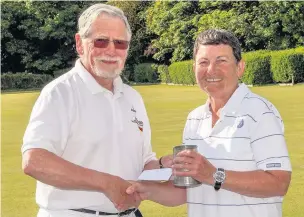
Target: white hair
90,14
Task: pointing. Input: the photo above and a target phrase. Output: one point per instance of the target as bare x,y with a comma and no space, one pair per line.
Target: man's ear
79,45
241,68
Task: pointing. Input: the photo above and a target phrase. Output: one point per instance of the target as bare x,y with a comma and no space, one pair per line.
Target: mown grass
168,107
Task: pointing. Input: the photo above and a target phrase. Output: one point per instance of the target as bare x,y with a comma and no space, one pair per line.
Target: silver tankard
184,181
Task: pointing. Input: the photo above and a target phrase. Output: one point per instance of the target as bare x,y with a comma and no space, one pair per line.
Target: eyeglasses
118,44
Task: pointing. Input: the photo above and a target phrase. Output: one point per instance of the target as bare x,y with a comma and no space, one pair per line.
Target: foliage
182,73
23,81
257,70
288,65
60,72
272,25
172,22
141,38
145,72
262,67
164,74
38,36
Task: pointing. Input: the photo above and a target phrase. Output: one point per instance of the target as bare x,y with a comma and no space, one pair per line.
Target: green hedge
24,81
182,73
257,70
288,65
262,67
145,72
163,72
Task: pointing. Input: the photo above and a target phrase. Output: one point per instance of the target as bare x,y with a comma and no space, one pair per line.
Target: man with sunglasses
88,132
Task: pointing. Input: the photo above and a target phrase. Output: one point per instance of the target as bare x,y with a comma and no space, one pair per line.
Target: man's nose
110,50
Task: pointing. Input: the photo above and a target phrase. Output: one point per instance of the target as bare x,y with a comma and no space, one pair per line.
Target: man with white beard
88,132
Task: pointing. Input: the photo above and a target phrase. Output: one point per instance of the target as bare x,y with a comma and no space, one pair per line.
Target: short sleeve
268,143
48,124
148,154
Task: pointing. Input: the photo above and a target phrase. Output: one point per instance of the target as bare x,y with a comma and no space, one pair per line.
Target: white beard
112,74
106,74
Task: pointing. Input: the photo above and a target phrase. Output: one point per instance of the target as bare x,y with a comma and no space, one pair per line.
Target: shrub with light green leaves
182,73
145,72
24,81
257,69
288,65
164,74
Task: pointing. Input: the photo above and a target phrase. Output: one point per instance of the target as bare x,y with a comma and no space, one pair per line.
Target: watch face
219,176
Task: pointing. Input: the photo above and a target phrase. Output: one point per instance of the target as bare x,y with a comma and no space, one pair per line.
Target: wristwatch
219,177
160,163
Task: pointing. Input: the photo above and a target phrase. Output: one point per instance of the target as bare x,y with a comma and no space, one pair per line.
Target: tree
173,23
257,24
280,24
38,37
141,38
12,44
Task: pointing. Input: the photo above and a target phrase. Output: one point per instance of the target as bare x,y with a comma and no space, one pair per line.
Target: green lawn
167,107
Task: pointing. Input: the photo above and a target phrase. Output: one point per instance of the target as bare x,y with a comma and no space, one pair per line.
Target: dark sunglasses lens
121,44
101,43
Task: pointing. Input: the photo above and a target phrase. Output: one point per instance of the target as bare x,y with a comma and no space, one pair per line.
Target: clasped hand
186,163
117,192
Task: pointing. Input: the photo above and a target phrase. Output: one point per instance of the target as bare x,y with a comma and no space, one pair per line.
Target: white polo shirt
86,124
248,136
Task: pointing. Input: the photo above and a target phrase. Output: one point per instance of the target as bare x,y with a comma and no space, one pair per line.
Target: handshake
189,169
129,194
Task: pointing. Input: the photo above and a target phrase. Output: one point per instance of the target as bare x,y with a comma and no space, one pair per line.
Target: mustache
107,58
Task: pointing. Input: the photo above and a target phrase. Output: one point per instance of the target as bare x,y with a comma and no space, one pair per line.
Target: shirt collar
231,107
92,84
235,100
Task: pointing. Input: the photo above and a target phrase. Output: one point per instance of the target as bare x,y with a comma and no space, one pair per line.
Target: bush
145,72
182,73
60,72
262,67
24,81
288,65
127,74
163,74
257,70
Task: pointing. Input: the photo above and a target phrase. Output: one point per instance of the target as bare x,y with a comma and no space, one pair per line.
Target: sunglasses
118,44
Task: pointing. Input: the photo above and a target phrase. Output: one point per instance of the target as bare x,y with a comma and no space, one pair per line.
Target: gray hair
90,14
216,37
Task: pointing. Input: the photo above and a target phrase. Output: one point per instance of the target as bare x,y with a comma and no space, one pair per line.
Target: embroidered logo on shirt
271,165
240,124
140,124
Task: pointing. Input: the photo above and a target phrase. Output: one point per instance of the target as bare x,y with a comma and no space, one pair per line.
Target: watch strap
217,185
160,163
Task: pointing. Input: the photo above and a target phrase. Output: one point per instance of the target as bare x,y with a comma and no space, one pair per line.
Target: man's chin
107,75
